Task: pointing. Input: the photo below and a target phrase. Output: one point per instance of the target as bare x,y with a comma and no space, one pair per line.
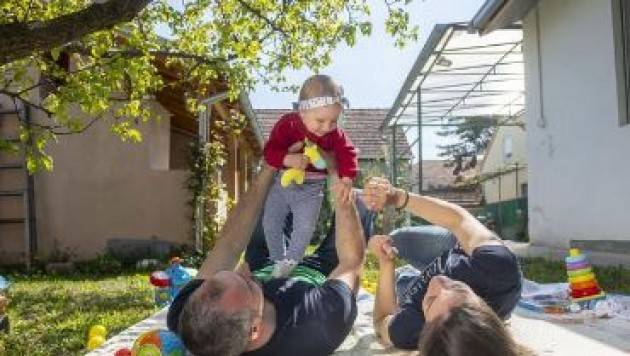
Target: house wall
509,185
577,149
102,188
12,235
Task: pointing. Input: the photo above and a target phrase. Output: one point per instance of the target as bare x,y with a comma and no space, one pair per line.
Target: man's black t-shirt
311,319
492,272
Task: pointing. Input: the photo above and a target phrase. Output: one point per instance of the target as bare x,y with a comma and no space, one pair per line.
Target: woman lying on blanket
461,281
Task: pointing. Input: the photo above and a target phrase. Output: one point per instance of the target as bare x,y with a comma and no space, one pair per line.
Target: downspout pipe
485,14
246,105
203,120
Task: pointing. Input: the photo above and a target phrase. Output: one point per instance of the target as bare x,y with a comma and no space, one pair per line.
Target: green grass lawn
612,279
52,315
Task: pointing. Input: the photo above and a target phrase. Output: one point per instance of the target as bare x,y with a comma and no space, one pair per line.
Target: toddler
315,122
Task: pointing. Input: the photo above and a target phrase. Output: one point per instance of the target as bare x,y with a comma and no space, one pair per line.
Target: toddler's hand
295,160
381,246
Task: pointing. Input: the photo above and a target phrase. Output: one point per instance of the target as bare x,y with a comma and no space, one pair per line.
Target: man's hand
343,190
381,246
296,147
378,193
295,160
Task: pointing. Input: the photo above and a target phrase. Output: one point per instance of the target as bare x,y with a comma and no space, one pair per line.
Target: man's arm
469,232
349,240
238,228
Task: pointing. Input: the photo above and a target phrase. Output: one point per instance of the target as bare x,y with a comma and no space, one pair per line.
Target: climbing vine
206,162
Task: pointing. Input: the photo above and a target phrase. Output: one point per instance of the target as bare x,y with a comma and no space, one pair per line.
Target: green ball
149,350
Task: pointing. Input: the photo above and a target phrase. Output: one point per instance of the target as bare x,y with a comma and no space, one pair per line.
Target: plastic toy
97,330
168,283
95,342
161,281
4,285
96,336
178,276
158,343
294,175
4,319
582,282
4,302
123,352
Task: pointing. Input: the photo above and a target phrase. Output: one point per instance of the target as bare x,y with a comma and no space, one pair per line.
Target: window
507,148
621,24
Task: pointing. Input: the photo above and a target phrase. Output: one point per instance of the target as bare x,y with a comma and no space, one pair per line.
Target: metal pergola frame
485,87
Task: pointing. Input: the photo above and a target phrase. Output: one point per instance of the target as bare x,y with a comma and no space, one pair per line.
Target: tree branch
130,53
15,96
259,14
21,39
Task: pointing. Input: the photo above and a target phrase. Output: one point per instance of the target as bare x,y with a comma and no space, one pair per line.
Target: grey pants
302,200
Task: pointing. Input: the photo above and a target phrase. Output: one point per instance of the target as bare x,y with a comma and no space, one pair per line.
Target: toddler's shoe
282,268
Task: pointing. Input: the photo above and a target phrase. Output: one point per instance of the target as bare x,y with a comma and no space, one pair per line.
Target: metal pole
204,118
420,179
499,204
516,178
394,175
200,207
31,222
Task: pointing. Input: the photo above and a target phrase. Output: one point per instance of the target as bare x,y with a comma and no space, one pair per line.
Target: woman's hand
381,246
378,193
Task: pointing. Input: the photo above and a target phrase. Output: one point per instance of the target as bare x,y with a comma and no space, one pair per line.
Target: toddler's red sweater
290,129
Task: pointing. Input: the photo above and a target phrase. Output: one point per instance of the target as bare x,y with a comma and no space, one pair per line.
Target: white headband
321,101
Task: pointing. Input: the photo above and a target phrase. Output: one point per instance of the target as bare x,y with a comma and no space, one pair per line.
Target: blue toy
178,277
158,342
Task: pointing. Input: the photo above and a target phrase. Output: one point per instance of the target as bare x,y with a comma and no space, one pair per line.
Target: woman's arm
469,232
385,304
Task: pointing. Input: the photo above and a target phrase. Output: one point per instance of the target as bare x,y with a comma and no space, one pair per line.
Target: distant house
363,127
577,62
438,181
503,179
503,172
103,191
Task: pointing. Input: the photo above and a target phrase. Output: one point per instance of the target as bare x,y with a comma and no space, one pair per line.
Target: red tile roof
362,125
436,177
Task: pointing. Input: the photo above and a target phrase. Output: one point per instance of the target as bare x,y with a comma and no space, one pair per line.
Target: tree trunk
21,39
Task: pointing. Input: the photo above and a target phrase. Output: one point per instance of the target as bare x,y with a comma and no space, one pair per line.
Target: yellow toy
96,337
294,175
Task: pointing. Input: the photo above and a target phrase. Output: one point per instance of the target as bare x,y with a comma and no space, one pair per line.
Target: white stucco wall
578,153
102,188
507,186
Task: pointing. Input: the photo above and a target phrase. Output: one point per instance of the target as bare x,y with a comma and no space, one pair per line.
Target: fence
507,218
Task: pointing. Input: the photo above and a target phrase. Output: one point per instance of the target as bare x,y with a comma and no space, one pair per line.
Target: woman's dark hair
470,329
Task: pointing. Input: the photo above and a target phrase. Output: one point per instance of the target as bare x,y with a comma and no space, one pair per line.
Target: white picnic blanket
581,337
361,340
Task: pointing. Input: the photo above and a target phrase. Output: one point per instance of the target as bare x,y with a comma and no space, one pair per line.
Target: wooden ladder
16,185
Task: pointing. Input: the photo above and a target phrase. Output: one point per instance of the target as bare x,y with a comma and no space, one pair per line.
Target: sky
373,71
